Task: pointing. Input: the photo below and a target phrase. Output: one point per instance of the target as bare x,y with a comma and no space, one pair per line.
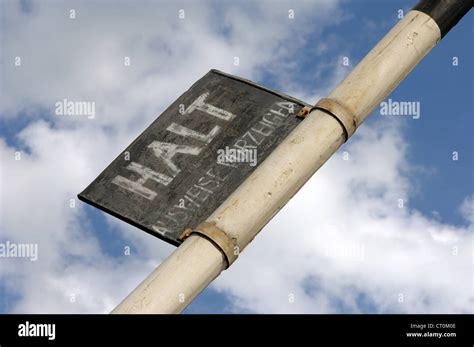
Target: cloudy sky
386,226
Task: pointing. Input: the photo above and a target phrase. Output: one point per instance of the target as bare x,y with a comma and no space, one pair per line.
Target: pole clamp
226,244
345,117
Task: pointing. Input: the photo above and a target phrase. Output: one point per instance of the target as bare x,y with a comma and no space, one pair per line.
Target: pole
205,252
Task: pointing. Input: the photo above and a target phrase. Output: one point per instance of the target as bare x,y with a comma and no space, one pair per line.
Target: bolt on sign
194,155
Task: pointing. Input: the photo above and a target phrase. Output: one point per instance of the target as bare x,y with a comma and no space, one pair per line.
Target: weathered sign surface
194,155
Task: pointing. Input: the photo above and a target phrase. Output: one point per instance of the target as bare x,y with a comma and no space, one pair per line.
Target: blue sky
83,248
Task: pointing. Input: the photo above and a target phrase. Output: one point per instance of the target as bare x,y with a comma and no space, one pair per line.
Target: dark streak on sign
175,175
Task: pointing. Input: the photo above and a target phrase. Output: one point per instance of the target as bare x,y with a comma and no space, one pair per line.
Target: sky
385,226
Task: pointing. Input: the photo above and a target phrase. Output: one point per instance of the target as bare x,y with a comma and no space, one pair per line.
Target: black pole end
446,13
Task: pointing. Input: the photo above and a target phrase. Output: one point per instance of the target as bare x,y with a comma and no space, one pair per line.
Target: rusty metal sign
194,155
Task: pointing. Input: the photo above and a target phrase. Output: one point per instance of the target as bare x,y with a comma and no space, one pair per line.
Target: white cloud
83,58
467,209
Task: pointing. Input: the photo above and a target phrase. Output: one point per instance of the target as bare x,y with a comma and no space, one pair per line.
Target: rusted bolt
303,112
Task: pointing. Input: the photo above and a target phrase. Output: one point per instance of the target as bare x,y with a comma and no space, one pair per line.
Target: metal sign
194,155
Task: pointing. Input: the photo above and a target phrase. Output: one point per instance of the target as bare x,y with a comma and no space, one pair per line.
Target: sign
194,155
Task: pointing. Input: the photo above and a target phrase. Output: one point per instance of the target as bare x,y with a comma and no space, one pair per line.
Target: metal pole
201,257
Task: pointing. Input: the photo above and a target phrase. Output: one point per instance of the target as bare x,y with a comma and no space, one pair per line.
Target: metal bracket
341,113
304,112
226,244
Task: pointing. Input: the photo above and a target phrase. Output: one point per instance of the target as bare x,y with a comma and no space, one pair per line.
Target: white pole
198,261
178,280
